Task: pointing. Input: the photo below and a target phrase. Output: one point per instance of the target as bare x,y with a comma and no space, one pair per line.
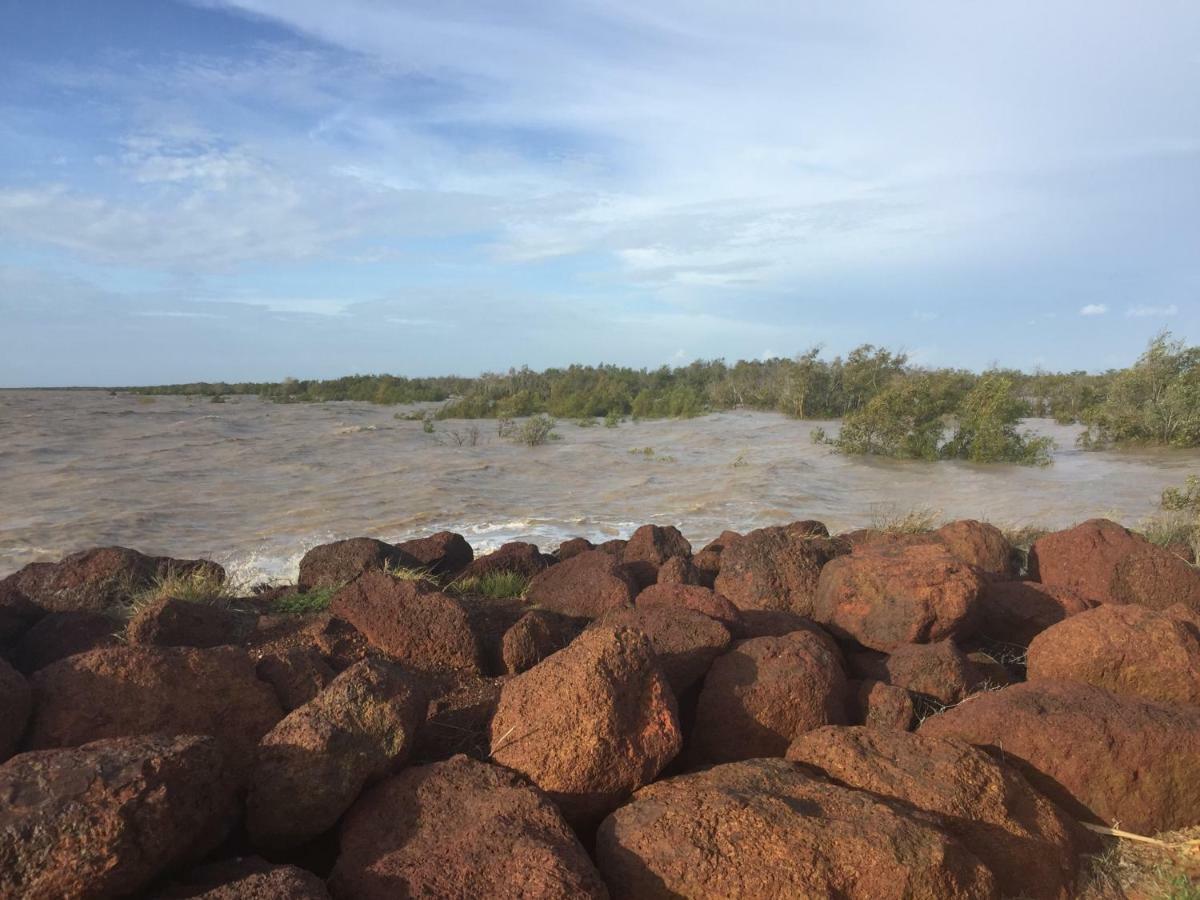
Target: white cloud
1152,312
1094,309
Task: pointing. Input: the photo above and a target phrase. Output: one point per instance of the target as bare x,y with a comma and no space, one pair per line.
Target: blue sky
251,189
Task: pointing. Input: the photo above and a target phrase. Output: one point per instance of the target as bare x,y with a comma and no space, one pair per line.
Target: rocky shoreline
782,713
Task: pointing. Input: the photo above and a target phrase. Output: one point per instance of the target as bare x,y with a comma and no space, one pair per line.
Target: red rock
1125,649
677,570
590,724
1111,564
246,878
876,704
615,547
763,693
99,579
126,691
981,544
171,622
458,716
410,621
16,701
776,623
775,568
339,643
573,547
444,553
718,544
517,556
337,564
685,642
297,673
692,597
764,828
1015,612
535,636
650,547
460,829
1100,756
585,585
17,613
887,597
104,819
59,635
312,765
1026,841
939,670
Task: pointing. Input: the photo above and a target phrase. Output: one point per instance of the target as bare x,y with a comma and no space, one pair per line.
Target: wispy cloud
1094,309
1152,312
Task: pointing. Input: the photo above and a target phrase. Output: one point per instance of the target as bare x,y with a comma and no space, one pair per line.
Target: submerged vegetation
888,405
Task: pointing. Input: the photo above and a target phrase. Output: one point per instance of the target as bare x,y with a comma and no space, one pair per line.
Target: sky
256,189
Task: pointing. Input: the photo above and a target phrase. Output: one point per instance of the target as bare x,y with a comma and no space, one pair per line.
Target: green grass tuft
313,601
493,585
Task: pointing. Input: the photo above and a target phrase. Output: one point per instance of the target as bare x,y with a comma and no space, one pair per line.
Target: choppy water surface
253,484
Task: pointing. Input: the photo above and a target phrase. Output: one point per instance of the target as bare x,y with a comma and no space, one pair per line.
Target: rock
1015,612
460,829
891,596
980,544
171,622
410,621
691,597
17,613
1026,841
590,724
585,585
337,564
685,642
677,570
125,691
1110,564
16,702
519,557
776,623
1100,756
444,553
535,636
615,547
1125,649
339,643
104,819
877,704
573,547
458,716
650,547
99,579
59,635
246,878
297,673
312,765
707,563
939,670
763,693
764,828
775,568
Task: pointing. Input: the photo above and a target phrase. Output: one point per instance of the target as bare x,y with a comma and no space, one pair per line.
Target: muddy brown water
254,484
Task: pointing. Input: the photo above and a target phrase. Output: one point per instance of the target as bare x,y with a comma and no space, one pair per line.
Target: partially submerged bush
987,427
533,432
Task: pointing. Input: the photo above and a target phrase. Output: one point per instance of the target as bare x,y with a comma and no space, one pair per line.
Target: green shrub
987,426
534,431
904,420
312,601
492,585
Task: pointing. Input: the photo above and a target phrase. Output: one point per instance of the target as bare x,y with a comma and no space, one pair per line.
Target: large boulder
16,701
685,642
105,819
443,553
171,622
585,585
763,693
125,691
691,597
938,670
459,714
410,621
776,567
245,878
876,704
312,765
572,547
460,829
1015,612
56,636
297,673
1110,564
516,556
535,636
651,546
678,570
1100,756
1126,649
980,544
590,724
336,564
100,579
1027,841
764,828
17,613
887,597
